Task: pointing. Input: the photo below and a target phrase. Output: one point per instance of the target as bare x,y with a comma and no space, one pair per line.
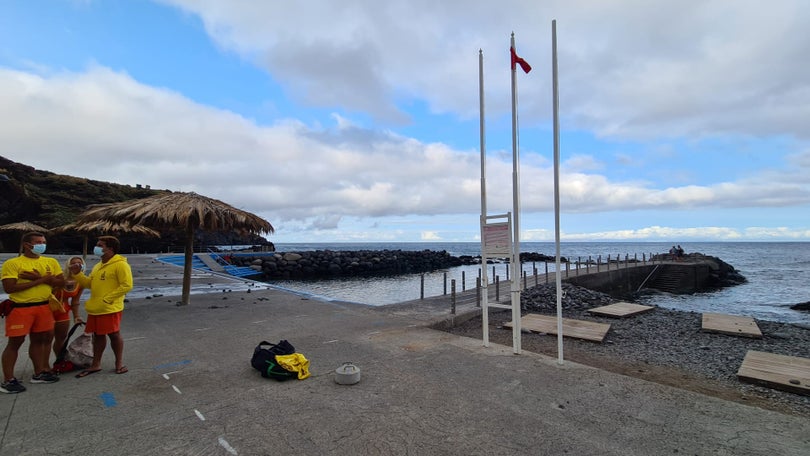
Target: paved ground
191,390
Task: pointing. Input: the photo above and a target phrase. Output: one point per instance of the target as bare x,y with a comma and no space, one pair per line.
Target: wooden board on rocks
621,310
788,373
733,325
580,329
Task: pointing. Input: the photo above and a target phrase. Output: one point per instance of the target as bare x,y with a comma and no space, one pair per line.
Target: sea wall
333,263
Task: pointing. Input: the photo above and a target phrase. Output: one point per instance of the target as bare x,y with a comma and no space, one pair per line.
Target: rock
802,306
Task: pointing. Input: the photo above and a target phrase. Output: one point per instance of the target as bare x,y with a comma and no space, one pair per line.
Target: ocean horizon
778,274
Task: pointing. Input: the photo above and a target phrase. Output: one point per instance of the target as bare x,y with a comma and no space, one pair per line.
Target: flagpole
516,331
556,109
482,222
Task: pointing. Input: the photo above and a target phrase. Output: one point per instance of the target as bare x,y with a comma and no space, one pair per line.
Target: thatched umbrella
23,227
189,211
104,227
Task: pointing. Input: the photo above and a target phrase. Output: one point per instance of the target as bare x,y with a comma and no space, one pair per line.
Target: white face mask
98,251
39,249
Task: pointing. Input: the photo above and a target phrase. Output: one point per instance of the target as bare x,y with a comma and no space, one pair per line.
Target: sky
359,120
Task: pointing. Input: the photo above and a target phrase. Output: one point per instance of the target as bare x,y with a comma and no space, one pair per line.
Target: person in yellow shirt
109,282
29,280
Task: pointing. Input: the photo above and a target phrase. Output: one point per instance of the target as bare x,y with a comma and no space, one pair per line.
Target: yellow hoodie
108,283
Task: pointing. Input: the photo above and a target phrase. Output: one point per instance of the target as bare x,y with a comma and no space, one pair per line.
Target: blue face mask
39,249
98,251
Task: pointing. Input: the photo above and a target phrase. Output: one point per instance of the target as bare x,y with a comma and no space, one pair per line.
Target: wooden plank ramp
733,325
788,373
579,329
621,310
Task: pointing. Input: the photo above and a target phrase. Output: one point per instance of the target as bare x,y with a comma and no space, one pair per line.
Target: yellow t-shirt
44,265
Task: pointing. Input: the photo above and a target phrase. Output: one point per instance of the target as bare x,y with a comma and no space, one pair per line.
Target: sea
778,274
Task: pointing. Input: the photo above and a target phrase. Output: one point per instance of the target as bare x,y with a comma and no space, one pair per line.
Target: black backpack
264,360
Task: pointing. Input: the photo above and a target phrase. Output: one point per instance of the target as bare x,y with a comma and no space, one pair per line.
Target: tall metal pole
515,215
483,221
556,109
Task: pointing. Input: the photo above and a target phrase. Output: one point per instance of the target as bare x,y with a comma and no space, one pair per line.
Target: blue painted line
167,365
108,399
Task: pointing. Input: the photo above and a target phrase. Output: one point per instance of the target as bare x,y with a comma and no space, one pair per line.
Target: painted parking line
167,365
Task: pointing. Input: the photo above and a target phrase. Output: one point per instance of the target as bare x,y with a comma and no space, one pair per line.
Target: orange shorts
26,320
63,316
103,324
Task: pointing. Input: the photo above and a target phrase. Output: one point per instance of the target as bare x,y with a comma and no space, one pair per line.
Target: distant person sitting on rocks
679,252
673,253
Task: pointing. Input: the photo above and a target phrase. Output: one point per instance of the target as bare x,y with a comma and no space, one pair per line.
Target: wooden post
478,292
453,297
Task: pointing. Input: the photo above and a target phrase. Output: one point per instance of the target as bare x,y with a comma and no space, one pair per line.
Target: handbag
264,360
55,304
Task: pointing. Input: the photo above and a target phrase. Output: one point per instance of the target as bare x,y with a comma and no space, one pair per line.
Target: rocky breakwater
331,263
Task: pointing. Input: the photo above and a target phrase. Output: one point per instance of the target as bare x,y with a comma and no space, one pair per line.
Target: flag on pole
519,60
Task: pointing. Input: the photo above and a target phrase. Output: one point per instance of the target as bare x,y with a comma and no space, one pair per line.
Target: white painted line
134,338
258,321
176,389
226,445
202,329
372,333
172,372
166,376
331,341
199,415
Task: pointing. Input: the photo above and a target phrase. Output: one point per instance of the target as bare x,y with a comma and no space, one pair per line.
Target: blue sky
359,120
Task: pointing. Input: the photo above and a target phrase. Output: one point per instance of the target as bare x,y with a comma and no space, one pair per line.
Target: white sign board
497,240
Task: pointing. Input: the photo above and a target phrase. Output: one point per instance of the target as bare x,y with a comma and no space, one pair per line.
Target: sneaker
44,377
12,386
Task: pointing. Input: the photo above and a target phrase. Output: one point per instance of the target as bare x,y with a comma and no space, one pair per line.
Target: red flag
519,60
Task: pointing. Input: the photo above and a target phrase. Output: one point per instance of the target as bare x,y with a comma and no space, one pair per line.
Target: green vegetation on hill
53,200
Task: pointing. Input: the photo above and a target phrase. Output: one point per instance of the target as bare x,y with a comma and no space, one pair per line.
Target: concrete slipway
190,390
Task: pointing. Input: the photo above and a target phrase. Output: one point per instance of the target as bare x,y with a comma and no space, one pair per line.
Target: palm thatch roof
178,210
105,226
24,227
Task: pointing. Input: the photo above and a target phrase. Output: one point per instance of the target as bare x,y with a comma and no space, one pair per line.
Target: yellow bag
55,304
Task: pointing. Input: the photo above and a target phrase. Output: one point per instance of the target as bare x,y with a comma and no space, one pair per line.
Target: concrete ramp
210,262
732,325
787,373
579,329
621,310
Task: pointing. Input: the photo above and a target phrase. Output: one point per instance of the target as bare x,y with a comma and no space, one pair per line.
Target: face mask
81,266
39,249
98,251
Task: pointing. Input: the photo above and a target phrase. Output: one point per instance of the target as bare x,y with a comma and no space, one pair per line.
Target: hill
52,200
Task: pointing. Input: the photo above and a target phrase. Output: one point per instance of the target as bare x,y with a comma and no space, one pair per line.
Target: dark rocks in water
334,263
801,306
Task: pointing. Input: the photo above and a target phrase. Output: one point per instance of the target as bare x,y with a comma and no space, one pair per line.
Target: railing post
525,278
546,270
463,281
497,289
493,273
535,277
507,270
478,292
422,287
578,261
453,297
445,283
